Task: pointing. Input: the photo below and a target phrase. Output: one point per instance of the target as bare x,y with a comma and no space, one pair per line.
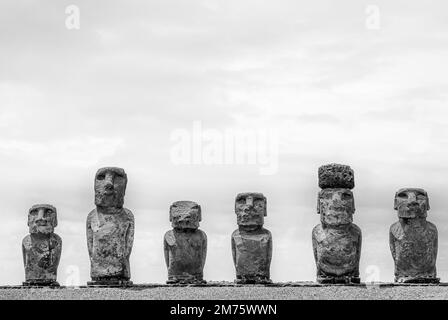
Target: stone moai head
336,206
42,218
110,187
250,209
411,203
185,215
335,203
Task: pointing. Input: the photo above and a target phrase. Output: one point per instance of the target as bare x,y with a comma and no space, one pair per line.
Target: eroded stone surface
336,241
337,253
42,248
251,243
412,239
185,246
336,176
110,230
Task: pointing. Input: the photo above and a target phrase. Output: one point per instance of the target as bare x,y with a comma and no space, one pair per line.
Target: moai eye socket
241,201
119,178
346,196
402,195
195,208
326,195
101,176
49,212
421,196
33,212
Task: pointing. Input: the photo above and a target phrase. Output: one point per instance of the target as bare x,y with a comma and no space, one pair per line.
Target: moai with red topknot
336,240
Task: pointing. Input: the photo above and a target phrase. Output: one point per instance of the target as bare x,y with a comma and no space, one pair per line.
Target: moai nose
109,182
184,217
336,197
40,214
412,198
249,202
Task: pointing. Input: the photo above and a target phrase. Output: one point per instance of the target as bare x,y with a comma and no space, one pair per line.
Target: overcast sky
334,84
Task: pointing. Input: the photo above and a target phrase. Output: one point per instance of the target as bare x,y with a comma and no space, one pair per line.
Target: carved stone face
411,203
185,215
250,209
42,218
110,187
336,206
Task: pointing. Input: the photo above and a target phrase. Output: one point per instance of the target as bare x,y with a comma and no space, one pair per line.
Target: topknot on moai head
411,203
110,187
250,208
336,176
42,218
185,215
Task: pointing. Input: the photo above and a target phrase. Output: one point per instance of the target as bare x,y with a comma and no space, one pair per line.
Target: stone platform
231,291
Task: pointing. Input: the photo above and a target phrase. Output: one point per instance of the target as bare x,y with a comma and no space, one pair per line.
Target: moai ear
171,213
354,207
55,220
396,201
427,201
200,213
236,202
265,206
318,203
29,216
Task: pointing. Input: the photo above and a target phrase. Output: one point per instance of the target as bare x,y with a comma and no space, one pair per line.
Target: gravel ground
369,292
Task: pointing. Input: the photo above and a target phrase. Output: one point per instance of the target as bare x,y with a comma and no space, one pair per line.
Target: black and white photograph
222,150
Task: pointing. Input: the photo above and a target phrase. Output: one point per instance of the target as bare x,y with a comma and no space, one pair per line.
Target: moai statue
251,243
412,239
336,241
185,246
42,247
110,230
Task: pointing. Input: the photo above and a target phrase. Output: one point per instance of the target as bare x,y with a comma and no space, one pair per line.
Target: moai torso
337,251
42,247
336,241
251,243
185,246
110,239
413,240
110,230
252,254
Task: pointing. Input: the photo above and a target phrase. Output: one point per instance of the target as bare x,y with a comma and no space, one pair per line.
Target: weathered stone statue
185,246
412,239
110,230
42,247
336,241
251,243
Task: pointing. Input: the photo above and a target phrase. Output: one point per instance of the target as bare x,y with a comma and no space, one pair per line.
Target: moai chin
336,240
412,239
185,246
42,248
251,243
110,230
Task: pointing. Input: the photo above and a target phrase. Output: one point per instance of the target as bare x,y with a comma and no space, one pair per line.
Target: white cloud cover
112,92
